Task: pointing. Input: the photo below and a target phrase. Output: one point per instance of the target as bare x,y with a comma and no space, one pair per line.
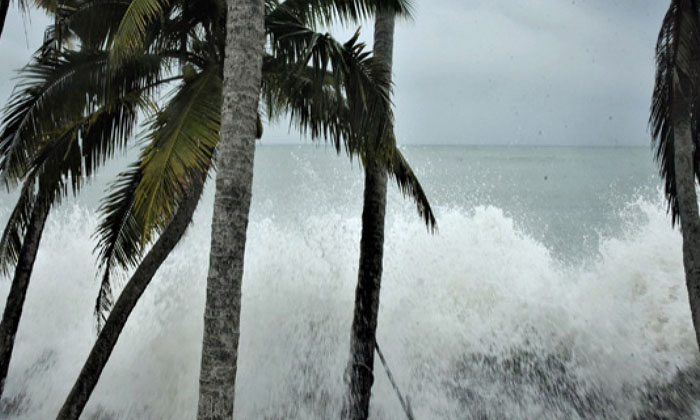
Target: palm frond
13,234
316,108
363,80
181,143
409,185
66,95
51,88
131,33
677,64
119,236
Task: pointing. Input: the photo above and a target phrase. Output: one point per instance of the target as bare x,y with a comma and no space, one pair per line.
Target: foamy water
484,320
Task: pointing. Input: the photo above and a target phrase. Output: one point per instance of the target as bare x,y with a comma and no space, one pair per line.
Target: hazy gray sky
556,72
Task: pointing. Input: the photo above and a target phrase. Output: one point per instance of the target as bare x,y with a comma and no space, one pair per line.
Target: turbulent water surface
553,290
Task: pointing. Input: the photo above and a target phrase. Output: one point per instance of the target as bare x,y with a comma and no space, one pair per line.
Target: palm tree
35,113
144,201
675,123
359,373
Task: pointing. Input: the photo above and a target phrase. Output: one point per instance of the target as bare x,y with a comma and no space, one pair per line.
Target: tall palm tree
360,369
675,123
34,114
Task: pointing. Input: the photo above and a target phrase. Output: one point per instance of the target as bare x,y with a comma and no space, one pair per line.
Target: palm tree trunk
687,203
360,368
139,281
18,289
234,179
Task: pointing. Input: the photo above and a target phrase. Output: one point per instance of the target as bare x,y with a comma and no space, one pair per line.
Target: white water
479,288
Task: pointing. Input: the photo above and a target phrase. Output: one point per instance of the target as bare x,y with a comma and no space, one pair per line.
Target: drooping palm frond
51,89
676,85
67,93
363,80
181,144
76,153
315,108
13,234
119,236
62,165
409,185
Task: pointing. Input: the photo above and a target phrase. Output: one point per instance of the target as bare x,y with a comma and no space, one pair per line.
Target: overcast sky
554,72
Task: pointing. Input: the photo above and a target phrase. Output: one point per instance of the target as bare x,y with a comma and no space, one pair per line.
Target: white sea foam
463,314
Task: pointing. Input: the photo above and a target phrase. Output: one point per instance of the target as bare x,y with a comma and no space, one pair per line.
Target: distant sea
553,289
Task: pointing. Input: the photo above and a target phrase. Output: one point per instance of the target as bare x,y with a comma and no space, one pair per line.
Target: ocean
553,289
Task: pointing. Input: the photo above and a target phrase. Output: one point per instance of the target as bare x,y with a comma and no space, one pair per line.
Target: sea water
553,289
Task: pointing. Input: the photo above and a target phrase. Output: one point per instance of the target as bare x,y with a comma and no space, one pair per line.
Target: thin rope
405,403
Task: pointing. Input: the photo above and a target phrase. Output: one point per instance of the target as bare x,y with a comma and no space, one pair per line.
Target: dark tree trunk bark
364,325
18,289
139,281
687,201
360,368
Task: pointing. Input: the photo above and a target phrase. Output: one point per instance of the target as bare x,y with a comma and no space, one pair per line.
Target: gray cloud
496,71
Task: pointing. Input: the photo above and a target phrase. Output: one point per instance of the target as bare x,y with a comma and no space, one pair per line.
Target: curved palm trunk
687,203
234,179
18,290
360,368
139,281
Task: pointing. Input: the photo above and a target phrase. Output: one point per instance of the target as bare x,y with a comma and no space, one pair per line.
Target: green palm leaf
13,234
182,140
131,34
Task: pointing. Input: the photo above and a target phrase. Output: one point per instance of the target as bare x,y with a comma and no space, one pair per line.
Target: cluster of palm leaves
113,70
675,124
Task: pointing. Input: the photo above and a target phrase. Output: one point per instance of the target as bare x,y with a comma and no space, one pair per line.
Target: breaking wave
480,321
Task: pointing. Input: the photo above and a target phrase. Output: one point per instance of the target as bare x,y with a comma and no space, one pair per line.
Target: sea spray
479,321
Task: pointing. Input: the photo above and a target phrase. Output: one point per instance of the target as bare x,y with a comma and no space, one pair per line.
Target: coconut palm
360,370
675,122
183,135
38,111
